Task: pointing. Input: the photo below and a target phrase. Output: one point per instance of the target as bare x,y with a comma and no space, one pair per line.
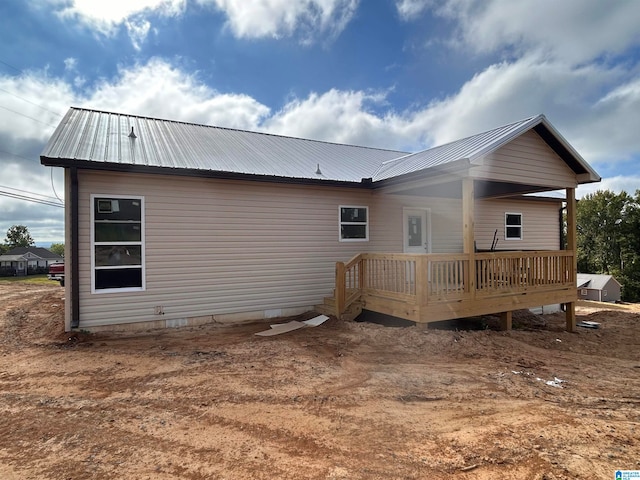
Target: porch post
468,235
572,246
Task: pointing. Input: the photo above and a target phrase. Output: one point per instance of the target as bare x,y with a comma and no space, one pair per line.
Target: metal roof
105,138
594,281
470,150
97,139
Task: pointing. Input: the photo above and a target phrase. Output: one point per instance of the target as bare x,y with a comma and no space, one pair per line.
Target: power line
16,155
30,199
32,103
27,116
11,66
46,197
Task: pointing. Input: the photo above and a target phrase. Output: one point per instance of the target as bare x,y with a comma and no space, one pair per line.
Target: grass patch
30,279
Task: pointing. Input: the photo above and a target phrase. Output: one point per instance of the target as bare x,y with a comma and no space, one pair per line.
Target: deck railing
437,278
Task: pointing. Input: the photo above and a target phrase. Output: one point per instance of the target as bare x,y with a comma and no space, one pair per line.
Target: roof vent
318,171
132,135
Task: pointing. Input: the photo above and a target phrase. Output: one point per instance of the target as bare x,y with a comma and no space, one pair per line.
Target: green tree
608,240
57,248
601,222
3,249
630,250
19,236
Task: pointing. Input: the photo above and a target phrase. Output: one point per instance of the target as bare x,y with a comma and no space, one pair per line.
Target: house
28,260
170,223
601,288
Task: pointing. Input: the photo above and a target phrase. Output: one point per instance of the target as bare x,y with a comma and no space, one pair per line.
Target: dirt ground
344,400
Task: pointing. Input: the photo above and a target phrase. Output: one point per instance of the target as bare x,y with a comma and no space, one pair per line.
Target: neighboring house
170,223
27,260
601,288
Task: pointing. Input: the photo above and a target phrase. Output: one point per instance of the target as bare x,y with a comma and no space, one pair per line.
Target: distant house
601,288
171,223
28,260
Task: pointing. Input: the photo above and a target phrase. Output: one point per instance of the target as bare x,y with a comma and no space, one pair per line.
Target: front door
417,230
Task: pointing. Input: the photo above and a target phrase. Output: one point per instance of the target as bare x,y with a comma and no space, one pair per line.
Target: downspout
75,269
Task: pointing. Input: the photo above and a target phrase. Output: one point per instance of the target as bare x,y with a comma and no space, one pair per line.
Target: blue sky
401,74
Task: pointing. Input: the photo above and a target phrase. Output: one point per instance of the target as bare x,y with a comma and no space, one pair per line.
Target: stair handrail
341,282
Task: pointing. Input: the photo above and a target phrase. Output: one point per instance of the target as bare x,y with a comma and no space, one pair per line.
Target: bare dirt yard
344,400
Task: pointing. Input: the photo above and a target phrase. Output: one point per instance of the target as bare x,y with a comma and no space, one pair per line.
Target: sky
396,74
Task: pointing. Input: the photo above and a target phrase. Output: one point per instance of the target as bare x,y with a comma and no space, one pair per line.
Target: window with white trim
117,243
512,226
354,223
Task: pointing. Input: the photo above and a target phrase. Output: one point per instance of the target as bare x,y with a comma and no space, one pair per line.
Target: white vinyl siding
540,229
526,160
220,246
215,247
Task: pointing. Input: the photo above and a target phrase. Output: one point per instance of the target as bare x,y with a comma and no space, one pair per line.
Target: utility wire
30,199
46,197
16,155
27,116
32,103
11,66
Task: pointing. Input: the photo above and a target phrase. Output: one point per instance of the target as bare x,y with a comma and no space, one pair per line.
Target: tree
608,240
19,236
600,219
57,248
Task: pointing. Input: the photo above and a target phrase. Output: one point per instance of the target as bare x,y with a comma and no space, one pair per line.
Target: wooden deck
433,287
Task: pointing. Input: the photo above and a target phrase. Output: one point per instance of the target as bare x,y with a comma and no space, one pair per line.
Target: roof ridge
236,129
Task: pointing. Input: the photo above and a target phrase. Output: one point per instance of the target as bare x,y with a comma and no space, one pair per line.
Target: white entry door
417,230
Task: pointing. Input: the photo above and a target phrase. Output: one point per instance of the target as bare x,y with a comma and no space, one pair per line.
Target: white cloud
158,89
410,9
138,29
571,97
574,31
106,17
33,104
337,116
617,184
70,64
283,18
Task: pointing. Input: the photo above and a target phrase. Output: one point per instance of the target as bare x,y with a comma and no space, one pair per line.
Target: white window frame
507,238
341,223
142,242
584,292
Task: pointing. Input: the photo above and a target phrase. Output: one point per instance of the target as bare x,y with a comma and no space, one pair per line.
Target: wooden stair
329,308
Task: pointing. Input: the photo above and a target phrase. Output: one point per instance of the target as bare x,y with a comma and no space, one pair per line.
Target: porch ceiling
483,189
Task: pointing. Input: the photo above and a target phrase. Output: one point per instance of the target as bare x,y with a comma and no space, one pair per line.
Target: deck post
573,266
468,226
421,283
340,288
506,320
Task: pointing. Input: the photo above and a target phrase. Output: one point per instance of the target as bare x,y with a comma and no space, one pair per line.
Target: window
513,226
117,244
583,292
354,224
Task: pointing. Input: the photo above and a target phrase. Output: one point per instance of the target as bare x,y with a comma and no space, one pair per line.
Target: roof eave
201,173
456,166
